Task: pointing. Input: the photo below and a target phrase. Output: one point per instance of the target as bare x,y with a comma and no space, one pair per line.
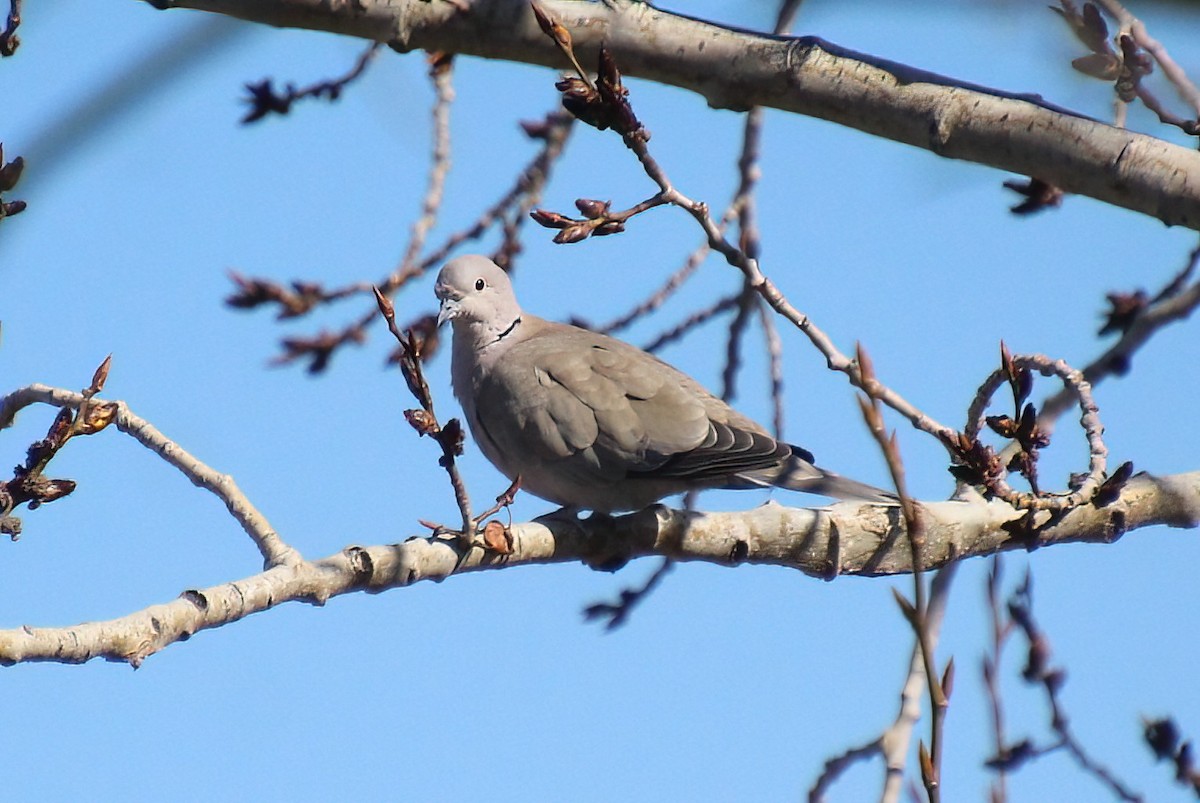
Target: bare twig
425,422
509,212
747,302
1131,25
617,613
598,219
29,484
1163,737
915,612
1039,671
893,743
742,208
692,321
264,100
442,74
787,15
1175,302
659,296
9,41
775,360
835,359
837,766
449,437
10,174
980,466
1128,64
607,106
293,301
1001,628
274,550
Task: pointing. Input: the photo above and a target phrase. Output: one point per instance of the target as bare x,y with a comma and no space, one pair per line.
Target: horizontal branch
843,539
806,75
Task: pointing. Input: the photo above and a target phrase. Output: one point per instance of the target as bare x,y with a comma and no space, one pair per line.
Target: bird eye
479,284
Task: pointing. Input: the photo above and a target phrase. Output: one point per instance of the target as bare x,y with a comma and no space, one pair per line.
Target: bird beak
449,309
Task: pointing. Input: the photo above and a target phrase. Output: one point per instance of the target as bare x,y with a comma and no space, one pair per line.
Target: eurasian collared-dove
591,422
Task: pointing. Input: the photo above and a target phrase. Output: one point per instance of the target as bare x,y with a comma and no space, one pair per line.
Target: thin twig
747,301
1089,419
610,109
743,206
692,321
274,550
775,358
264,100
1001,628
1039,671
515,203
1134,27
425,421
835,359
896,738
659,296
1175,302
673,282
9,41
893,743
916,612
617,613
441,71
835,767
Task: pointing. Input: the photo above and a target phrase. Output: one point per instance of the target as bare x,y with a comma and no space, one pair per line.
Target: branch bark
1019,133
856,539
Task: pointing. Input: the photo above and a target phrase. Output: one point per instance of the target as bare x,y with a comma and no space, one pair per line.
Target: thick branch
806,75
842,539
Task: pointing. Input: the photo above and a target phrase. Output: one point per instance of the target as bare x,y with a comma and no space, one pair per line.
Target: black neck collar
509,330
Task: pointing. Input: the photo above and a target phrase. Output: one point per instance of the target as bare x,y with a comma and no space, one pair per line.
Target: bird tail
827,483
798,474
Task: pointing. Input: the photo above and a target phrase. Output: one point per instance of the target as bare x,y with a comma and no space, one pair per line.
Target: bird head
476,295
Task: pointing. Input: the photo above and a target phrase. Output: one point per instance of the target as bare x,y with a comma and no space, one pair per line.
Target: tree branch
806,75
858,539
274,550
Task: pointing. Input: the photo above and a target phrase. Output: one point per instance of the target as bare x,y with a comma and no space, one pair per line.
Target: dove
591,422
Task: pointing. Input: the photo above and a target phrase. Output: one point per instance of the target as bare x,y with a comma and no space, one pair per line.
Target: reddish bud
551,220
1104,66
497,538
101,375
10,173
573,234
452,437
609,227
424,423
592,209
1110,489
551,27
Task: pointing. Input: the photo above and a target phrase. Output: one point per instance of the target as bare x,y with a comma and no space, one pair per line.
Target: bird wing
610,410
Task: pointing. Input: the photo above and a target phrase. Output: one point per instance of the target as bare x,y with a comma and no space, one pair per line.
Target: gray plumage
591,422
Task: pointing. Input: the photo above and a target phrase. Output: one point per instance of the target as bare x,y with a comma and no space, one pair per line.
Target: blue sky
728,683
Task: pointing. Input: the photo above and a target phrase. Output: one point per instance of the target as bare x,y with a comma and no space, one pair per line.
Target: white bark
842,539
806,75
